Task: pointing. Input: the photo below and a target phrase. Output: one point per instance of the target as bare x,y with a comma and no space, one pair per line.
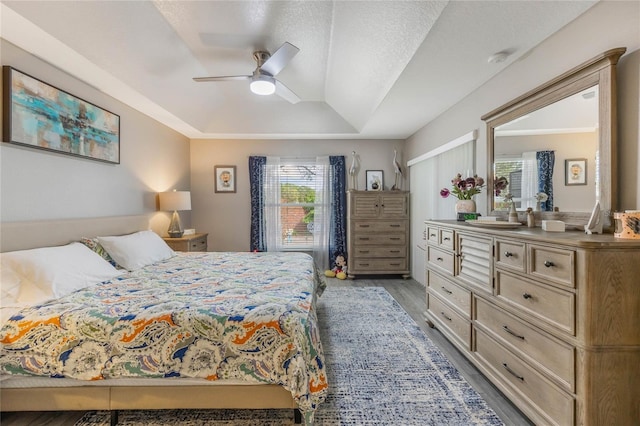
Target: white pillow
50,272
135,251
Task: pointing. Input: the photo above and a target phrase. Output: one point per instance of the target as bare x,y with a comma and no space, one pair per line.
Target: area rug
382,368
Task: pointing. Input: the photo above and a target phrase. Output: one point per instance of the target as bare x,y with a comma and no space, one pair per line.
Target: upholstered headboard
28,235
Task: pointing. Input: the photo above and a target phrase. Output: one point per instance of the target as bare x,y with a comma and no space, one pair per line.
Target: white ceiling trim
28,36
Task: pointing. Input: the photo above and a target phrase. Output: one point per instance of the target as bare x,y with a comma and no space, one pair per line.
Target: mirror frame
600,70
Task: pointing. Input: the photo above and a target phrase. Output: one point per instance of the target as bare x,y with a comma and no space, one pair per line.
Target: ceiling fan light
263,85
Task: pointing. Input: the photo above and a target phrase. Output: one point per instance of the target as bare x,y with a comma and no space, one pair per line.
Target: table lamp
175,200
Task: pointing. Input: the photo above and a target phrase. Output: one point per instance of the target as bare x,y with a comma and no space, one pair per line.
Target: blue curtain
256,184
338,237
546,160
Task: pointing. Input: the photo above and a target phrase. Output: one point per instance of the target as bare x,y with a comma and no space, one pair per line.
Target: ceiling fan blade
223,78
285,93
280,58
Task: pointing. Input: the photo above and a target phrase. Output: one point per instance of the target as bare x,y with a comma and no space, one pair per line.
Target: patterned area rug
383,370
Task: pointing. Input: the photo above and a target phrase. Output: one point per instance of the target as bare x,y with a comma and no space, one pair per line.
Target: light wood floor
410,294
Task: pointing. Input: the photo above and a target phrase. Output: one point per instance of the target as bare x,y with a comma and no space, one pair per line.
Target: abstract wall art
39,115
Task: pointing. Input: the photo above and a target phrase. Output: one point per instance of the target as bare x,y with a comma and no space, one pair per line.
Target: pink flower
444,192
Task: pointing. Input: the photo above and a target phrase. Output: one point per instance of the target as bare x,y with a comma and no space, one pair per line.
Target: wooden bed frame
27,235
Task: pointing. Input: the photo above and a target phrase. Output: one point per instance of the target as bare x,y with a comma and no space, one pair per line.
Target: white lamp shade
175,200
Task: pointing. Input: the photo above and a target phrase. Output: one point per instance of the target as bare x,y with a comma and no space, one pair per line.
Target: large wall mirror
556,145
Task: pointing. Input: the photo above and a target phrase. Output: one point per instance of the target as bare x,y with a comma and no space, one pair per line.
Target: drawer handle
505,328
394,238
439,259
506,367
364,251
394,251
364,239
446,239
445,316
364,226
548,264
508,254
446,291
395,225
526,295
364,264
432,235
394,264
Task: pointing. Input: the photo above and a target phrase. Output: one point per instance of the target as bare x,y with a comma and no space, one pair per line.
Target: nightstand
194,242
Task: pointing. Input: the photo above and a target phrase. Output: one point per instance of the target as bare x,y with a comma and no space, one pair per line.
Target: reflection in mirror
564,130
569,121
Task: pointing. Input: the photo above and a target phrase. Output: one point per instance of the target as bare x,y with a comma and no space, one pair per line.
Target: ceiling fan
263,81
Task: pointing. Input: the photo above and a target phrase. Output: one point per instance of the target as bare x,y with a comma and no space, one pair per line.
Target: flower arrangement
541,197
500,184
463,189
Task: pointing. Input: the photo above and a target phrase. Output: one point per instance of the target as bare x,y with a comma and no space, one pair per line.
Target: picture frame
575,171
375,180
39,115
225,179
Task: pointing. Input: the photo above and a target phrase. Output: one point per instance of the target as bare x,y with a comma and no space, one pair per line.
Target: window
298,204
296,187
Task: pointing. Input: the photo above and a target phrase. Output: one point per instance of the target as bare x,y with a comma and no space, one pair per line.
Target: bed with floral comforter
241,316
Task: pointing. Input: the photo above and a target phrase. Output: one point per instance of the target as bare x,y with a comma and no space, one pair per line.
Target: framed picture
225,178
375,180
575,171
39,115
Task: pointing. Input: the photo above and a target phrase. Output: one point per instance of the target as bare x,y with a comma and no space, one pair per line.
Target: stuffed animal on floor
340,269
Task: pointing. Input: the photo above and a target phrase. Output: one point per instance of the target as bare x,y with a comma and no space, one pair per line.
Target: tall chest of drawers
378,233
552,319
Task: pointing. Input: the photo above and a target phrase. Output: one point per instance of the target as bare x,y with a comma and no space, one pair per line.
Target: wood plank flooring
411,295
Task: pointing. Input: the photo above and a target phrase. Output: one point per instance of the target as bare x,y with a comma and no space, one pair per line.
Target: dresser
552,319
193,242
378,233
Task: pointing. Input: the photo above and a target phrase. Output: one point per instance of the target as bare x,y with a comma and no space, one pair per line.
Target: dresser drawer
452,293
555,406
380,239
364,251
433,235
387,265
440,259
458,325
511,255
361,226
555,265
550,354
552,305
443,238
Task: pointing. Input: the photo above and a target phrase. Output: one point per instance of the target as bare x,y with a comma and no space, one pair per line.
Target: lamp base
175,228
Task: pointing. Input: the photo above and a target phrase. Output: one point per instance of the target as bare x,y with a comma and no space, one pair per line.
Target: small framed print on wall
575,171
225,178
375,180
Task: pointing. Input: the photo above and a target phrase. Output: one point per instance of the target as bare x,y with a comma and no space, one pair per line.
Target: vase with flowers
464,189
541,197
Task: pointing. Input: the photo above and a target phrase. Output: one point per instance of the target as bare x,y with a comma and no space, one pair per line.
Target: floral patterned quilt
247,316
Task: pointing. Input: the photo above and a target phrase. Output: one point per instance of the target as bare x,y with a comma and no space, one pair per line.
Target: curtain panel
546,160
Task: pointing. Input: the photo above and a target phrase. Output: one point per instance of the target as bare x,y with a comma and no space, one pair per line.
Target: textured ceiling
366,69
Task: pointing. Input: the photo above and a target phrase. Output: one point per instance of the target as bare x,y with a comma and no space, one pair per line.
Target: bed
192,330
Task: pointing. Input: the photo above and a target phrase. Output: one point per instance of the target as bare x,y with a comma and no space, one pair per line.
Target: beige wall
605,26
227,216
38,185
